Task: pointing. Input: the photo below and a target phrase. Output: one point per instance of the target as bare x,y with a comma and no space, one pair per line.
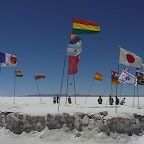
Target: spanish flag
98,76
18,73
84,27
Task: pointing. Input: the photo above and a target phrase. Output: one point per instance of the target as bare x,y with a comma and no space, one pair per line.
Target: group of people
57,98
111,100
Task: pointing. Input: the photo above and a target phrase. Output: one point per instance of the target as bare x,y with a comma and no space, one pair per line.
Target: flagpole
62,81
74,88
89,90
67,88
134,96
106,87
117,83
138,97
38,90
14,87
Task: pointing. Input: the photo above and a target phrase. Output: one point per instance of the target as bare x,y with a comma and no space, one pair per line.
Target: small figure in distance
116,100
54,99
100,100
122,101
58,99
111,100
69,100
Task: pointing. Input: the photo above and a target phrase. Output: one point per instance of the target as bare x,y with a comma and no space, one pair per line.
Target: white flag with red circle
130,59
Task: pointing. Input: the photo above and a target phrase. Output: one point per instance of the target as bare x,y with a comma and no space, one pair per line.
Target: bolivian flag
98,76
84,27
18,73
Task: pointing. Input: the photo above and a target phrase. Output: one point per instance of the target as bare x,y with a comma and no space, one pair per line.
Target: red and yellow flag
98,76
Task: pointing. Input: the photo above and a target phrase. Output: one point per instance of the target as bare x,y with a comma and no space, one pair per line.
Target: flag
7,59
73,49
98,76
73,64
75,40
84,27
141,69
114,77
140,75
130,59
140,80
127,78
39,76
18,73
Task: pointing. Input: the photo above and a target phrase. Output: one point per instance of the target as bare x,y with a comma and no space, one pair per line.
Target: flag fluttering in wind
18,73
7,59
75,40
98,76
73,64
39,76
85,27
114,77
140,75
130,59
73,50
127,78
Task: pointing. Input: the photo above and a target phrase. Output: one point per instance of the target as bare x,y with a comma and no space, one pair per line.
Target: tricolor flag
114,77
73,64
84,27
39,76
18,73
127,78
130,59
7,59
98,76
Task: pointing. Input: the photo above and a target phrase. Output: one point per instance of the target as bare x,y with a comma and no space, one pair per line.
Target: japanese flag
130,59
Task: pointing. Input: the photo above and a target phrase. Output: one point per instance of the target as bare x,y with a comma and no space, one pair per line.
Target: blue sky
37,32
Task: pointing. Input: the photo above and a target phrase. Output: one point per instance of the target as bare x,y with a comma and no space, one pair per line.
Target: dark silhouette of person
100,100
69,100
58,99
111,100
116,100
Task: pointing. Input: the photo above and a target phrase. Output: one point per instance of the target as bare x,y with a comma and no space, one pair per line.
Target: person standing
111,100
69,100
58,99
116,100
100,100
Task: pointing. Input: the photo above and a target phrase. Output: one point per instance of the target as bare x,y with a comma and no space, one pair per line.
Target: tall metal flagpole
14,87
38,90
89,90
138,97
117,83
62,81
67,88
74,88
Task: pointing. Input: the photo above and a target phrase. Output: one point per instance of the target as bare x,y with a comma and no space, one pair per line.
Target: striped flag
18,73
39,76
85,27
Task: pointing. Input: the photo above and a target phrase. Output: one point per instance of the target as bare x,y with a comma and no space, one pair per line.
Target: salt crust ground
33,106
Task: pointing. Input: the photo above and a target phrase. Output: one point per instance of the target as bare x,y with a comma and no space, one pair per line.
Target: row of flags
19,73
